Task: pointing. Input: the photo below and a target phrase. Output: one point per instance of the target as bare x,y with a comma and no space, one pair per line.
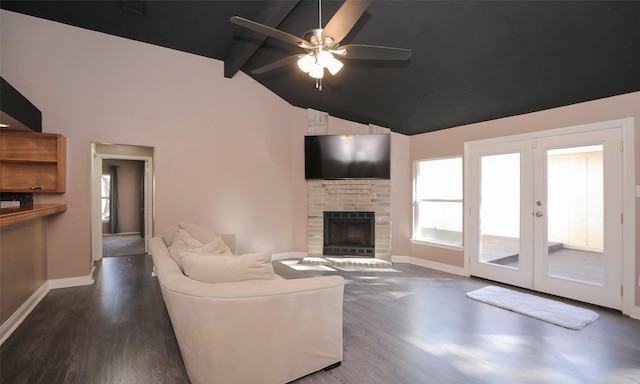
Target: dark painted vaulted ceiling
472,60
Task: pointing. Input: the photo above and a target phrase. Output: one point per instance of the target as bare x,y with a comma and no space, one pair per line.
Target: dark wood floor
115,331
407,325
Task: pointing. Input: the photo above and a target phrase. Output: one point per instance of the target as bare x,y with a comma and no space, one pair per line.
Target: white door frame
97,156
628,204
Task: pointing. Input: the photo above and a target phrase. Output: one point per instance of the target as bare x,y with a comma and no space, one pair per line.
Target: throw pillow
201,233
228,268
174,252
169,234
182,238
214,248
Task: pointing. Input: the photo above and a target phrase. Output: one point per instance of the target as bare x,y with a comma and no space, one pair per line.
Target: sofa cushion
199,232
228,268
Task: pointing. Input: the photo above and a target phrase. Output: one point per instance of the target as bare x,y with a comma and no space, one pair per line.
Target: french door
545,214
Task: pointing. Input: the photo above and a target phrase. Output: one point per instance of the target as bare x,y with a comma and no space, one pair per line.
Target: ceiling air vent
133,6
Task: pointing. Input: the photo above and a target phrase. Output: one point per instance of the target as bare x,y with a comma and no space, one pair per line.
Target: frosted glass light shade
325,58
334,66
316,71
306,62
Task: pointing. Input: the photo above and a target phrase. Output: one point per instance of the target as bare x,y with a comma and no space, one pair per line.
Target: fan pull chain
319,84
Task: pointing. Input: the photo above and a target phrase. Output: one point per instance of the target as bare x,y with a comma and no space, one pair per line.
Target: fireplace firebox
349,234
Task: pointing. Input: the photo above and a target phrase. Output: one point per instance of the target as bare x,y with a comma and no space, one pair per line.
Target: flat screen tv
336,157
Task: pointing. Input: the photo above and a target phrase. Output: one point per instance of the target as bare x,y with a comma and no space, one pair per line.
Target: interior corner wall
401,193
450,142
214,163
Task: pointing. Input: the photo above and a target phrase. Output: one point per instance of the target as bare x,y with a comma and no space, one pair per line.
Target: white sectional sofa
253,331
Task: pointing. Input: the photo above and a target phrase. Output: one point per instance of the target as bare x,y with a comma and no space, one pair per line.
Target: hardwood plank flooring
401,325
115,331
122,245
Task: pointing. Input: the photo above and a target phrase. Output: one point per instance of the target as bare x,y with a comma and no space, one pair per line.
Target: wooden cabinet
32,162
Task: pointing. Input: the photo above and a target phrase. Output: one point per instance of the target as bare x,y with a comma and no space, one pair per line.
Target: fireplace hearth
349,233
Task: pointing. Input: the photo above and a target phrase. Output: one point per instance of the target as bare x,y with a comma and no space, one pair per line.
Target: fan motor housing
314,36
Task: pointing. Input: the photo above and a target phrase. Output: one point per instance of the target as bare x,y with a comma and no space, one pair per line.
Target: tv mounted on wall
335,157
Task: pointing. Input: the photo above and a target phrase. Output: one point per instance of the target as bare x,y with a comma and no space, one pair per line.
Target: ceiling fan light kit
322,44
315,63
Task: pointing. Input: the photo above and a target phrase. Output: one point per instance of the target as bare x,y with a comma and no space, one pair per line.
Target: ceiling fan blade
271,32
276,64
372,52
346,17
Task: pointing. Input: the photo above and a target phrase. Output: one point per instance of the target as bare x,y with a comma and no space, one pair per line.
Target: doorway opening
122,208
122,199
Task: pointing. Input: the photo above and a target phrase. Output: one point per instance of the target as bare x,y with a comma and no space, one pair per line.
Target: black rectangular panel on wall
19,107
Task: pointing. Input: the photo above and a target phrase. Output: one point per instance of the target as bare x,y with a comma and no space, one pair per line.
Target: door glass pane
575,192
500,209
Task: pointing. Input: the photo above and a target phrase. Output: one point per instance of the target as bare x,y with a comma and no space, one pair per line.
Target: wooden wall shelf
32,162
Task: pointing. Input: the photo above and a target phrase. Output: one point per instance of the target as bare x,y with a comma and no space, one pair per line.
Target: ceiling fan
323,44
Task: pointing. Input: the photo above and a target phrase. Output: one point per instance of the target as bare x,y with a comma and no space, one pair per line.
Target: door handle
539,214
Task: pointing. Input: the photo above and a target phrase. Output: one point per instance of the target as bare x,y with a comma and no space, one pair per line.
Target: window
438,201
106,187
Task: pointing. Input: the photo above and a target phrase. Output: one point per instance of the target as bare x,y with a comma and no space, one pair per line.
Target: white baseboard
13,322
68,282
429,264
634,313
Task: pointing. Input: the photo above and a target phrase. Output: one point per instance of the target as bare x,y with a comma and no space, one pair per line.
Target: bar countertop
9,216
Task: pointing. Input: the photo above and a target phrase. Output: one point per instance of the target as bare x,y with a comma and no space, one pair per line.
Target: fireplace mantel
362,187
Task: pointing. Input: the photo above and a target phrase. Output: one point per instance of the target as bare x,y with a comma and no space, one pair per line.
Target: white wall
222,146
228,152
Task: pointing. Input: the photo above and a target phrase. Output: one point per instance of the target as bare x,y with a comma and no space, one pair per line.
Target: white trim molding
13,322
629,236
634,313
69,282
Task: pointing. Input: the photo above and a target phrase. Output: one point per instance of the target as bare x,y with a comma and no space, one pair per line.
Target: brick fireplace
347,196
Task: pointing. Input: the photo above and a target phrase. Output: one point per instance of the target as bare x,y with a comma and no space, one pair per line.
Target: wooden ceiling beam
271,15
